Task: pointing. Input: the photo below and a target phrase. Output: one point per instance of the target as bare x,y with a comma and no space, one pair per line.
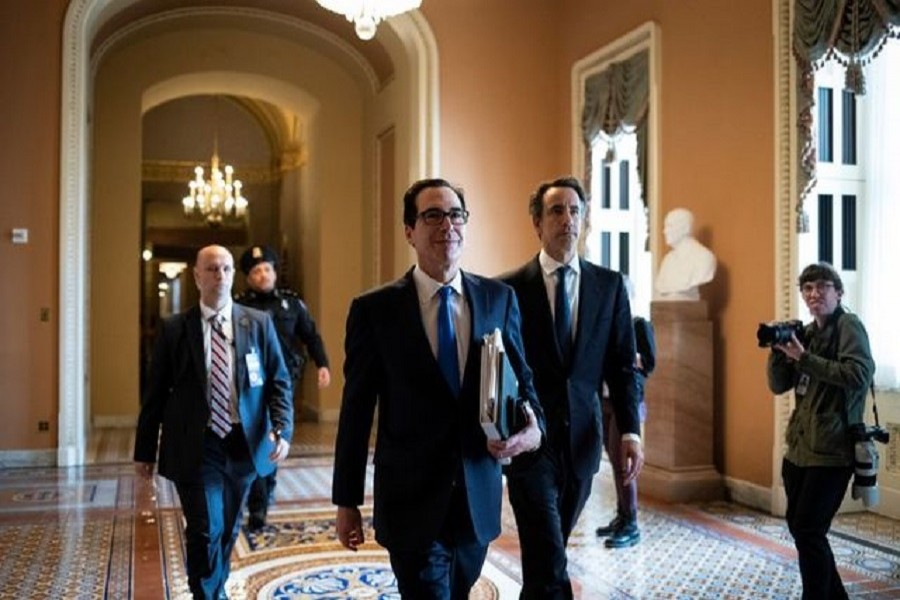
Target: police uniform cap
254,255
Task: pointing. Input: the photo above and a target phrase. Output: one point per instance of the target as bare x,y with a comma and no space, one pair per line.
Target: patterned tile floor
96,532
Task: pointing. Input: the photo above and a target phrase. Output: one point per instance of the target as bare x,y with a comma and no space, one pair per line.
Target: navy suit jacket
603,350
427,440
176,396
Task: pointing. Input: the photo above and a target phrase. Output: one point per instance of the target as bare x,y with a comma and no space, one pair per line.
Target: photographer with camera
830,369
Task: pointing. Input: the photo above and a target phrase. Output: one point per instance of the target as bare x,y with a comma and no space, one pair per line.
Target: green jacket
839,365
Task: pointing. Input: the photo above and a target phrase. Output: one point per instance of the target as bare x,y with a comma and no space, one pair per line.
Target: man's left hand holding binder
508,422
527,439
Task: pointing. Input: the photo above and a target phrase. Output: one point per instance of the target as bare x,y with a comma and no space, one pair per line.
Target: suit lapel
195,341
409,313
240,327
588,309
478,300
537,290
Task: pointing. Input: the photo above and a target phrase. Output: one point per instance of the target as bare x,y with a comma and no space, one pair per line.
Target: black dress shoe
627,535
613,526
256,523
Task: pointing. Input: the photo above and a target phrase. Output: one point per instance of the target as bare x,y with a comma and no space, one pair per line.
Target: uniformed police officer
294,326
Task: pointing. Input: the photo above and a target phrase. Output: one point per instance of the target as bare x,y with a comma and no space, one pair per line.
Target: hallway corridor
96,532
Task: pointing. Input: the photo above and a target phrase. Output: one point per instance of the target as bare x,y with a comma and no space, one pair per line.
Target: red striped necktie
219,378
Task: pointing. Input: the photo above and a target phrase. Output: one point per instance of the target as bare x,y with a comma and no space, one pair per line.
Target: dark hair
410,212
821,271
536,202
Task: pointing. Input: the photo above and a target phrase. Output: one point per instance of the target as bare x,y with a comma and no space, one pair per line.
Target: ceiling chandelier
217,199
366,14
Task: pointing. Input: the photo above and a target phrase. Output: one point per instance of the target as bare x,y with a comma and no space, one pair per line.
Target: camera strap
835,334
874,405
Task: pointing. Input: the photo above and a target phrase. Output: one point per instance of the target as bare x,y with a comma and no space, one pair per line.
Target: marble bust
687,265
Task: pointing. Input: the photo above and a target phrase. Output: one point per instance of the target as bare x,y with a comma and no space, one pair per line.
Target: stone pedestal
678,433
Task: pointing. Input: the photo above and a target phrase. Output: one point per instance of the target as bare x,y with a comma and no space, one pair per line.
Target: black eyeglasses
436,216
819,286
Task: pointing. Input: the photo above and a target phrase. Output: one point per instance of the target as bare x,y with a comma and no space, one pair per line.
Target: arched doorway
410,44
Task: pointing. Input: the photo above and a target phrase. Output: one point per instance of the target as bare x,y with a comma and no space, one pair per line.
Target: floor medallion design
357,580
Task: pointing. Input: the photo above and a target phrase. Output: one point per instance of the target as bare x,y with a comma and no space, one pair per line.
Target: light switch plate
20,236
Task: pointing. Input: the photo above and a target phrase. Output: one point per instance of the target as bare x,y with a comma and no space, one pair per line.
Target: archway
411,44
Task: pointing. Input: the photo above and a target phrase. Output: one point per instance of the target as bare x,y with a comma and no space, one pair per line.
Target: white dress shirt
549,265
429,300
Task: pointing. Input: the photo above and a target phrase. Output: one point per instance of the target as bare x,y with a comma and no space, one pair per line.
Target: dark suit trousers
547,500
814,495
450,566
212,509
262,492
626,493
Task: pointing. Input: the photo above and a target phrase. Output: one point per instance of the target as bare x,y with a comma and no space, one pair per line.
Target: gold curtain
852,32
616,101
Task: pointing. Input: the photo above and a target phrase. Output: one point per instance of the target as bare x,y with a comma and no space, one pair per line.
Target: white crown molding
204,12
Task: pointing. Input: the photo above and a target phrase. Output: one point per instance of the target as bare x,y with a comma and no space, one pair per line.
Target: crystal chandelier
217,199
366,14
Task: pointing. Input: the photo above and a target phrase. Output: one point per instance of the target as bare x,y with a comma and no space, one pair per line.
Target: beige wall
717,159
504,125
500,127
29,169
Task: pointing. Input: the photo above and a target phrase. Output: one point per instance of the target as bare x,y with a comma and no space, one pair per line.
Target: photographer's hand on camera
793,349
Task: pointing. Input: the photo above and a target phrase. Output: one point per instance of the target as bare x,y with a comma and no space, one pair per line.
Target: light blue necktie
563,317
448,359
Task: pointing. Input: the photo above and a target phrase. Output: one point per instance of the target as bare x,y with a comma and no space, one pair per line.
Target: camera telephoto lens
865,473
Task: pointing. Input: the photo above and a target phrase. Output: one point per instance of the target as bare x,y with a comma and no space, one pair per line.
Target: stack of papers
499,389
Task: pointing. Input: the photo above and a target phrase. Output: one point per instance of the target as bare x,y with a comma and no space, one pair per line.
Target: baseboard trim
329,416
701,483
749,494
889,504
115,421
774,502
11,459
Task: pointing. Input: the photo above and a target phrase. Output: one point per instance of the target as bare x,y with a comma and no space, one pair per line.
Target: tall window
839,192
854,208
618,234
619,104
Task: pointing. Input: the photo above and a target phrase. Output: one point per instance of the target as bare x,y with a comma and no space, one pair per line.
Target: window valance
616,100
852,32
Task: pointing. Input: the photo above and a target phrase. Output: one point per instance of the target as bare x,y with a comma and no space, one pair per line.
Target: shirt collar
426,287
549,264
206,312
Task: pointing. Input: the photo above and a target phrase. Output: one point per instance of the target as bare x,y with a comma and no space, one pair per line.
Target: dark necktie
563,317
448,359
219,379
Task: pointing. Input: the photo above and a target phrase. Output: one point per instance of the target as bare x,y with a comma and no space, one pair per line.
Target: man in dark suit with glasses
412,348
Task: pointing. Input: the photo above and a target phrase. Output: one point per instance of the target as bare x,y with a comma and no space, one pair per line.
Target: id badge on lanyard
802,385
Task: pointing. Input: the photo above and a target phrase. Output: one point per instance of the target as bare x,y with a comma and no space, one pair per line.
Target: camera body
860,432
865,464
778,332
